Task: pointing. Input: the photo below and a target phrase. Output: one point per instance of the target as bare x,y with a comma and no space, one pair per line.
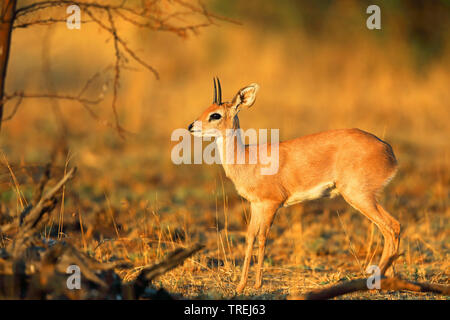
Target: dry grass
132,203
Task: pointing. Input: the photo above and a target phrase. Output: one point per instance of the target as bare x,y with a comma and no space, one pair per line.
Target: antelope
351,163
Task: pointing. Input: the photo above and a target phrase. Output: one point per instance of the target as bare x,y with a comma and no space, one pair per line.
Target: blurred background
319,67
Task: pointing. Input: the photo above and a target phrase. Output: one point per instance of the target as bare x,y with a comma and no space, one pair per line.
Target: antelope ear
245,97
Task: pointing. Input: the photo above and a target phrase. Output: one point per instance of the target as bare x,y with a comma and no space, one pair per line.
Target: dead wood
42,182
392,284
138,287
173,259
98,280
36,268
31,219
386,283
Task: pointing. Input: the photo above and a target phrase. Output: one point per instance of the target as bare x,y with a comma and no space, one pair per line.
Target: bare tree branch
116,70
112,30
171,17
50,95
14,110
44,22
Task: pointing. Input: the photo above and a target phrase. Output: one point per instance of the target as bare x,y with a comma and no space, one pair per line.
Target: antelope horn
215,91
219,92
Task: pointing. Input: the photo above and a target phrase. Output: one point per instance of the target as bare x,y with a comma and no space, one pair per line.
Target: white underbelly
327,189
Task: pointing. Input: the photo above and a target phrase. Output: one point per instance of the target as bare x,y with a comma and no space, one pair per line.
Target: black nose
191,126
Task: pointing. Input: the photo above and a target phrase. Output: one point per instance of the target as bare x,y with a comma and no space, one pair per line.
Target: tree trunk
8,8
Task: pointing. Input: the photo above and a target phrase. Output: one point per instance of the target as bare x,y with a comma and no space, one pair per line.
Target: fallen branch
62,255
31,217
392,284
386,283
137,287
173,259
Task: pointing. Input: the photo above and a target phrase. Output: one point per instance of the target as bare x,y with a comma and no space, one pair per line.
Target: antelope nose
191,126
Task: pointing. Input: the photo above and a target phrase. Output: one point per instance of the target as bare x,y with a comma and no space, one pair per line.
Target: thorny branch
152,15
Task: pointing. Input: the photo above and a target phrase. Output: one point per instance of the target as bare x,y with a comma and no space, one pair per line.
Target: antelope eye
215,116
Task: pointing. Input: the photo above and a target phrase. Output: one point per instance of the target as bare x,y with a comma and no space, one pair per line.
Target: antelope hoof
240,288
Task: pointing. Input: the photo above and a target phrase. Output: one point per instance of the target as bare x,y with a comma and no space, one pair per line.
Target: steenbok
348,162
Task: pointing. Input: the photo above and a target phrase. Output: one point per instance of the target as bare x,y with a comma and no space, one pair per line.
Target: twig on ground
393,283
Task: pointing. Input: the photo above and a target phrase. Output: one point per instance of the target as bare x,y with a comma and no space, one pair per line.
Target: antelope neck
233,145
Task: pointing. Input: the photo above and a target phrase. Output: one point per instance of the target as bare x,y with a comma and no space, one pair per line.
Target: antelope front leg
251,234
262,215
267,213
261,247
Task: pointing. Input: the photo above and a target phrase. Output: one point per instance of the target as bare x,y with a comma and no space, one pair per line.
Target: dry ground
310,245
